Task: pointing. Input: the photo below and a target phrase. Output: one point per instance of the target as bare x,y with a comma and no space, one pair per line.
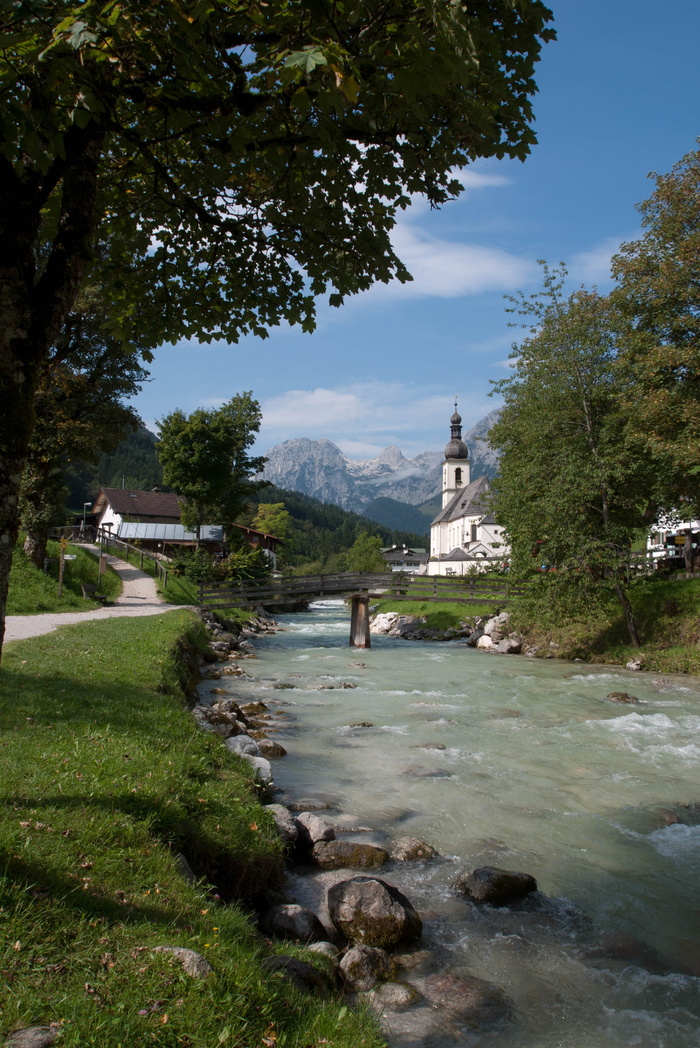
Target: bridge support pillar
359,622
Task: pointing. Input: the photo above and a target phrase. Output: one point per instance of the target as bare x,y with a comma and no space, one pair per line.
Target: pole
359,622
64,543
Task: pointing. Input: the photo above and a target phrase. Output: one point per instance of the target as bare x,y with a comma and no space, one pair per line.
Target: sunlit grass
105,779
33,591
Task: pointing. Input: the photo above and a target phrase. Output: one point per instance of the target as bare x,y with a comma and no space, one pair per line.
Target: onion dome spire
456,448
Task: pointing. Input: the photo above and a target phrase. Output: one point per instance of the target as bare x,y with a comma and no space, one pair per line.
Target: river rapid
540,773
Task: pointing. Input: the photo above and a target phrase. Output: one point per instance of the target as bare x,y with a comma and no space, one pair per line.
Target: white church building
464,532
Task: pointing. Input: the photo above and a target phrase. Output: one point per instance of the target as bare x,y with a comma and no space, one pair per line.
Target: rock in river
489,884
368,910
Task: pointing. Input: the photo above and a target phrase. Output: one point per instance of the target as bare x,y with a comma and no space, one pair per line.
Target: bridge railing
389,585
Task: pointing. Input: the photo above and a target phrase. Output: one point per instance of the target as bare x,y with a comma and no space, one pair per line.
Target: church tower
455,468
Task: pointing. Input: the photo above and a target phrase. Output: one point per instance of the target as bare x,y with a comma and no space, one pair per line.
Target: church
464,532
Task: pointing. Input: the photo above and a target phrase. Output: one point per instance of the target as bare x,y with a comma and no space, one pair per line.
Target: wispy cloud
365,418
593,266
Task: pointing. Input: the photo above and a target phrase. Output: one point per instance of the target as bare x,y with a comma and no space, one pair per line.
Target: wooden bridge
361,588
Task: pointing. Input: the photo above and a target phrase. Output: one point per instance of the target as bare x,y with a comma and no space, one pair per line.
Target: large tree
574,486
659,291
205,460
236,158
80,413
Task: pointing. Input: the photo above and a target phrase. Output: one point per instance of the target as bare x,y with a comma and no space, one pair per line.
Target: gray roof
169,532
471,501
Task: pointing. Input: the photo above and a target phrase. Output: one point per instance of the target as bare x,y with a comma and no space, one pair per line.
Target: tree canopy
205,459
234,159
574,485
80,413
659,291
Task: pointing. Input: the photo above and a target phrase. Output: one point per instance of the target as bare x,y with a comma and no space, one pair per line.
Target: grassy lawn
667,612
105,780
33,591
439,616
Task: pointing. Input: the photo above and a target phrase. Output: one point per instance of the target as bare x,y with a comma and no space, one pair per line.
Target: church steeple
455,469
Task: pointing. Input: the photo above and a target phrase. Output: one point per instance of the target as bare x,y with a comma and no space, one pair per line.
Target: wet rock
213,719
489,884
270,749
313,829
302,975
336,855
243,745
361,724
473,1001
281,685
193,963
509,645
34,1037
634,664
485,642
362,967
311,804
392,997
370,911
430,746
285,822
293,922
474,637
621,696
411,849
261,766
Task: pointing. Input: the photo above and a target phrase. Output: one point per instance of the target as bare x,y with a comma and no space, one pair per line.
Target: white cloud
593,266
364,419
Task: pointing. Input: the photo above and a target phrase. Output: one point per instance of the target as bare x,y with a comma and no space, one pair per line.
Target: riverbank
667,612
108,783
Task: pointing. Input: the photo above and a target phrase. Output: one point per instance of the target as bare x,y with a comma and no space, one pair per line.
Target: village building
464,533
406,558
152,519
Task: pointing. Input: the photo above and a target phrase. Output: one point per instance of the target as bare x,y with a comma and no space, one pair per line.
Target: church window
458,476
474,526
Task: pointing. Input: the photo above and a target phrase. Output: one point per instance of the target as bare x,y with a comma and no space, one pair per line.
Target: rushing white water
539,773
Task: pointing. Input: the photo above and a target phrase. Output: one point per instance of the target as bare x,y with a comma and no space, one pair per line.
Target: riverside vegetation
107,778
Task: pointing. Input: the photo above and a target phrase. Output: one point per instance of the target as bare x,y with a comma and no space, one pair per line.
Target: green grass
667,613
105,779
33,591
439,616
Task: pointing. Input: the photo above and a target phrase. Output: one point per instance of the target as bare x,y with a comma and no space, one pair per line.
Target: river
540,773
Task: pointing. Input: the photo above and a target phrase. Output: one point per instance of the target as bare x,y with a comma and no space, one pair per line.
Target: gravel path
139,597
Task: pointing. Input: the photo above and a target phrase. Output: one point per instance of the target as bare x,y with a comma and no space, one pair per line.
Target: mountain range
320,469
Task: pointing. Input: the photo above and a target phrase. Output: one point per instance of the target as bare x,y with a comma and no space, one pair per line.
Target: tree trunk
35,545
629,616
17,387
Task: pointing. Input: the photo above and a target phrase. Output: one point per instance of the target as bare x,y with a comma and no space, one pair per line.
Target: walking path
139,597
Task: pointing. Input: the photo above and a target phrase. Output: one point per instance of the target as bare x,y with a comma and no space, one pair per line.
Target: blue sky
619,97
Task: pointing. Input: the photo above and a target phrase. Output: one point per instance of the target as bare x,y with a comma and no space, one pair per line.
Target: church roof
471,501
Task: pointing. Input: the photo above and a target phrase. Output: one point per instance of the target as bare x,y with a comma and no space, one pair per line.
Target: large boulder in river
489,884
370,911
335,855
